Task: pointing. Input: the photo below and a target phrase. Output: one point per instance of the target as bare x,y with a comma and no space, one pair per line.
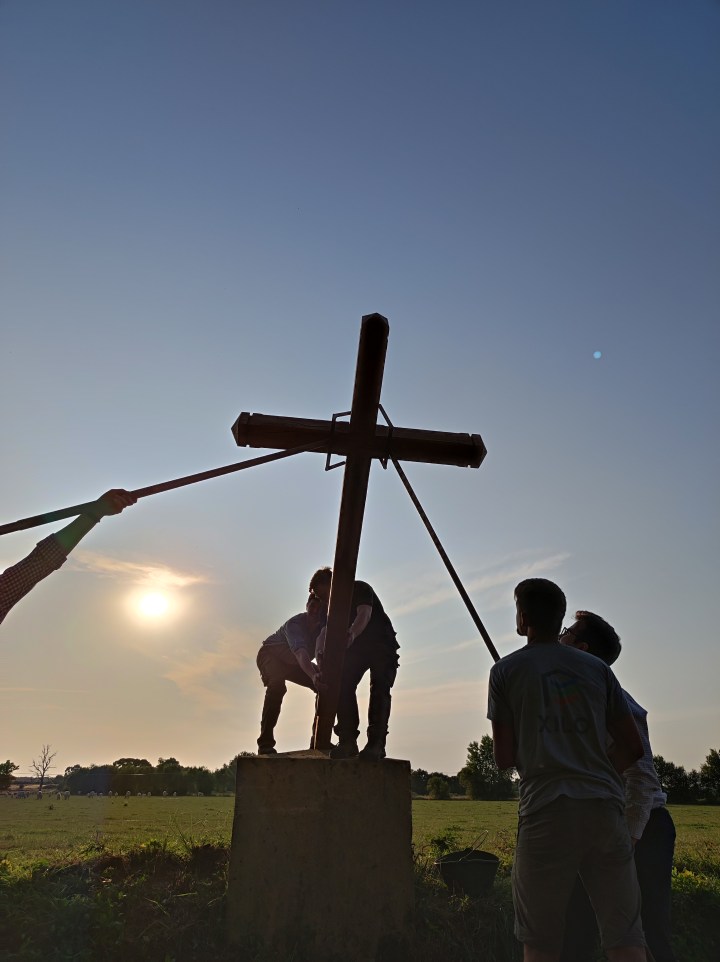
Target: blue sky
199,203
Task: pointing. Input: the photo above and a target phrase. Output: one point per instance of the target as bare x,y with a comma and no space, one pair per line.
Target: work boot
374,751
378,717
270,714
346,748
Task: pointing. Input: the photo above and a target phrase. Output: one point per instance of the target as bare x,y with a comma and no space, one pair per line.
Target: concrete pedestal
321,863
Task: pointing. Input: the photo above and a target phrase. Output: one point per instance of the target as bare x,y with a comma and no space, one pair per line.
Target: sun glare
153,605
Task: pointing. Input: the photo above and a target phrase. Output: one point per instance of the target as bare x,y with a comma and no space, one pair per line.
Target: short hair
601,638
542,603
322,576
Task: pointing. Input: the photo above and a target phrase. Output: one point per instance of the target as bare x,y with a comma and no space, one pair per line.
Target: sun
154,604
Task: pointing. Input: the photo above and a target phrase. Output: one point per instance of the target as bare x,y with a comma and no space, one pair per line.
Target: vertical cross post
363,420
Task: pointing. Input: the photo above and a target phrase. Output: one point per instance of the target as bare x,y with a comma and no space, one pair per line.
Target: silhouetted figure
371,647
551,709
51,553
650,824
287,656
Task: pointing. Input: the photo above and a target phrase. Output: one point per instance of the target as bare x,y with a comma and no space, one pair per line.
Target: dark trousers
653,862
381,660
277,665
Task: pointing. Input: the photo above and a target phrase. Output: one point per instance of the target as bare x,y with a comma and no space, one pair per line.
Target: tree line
140,776
694,787
479,778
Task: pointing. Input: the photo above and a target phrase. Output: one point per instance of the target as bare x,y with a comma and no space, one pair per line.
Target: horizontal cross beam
336,437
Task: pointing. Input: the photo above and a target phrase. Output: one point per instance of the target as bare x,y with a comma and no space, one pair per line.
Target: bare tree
44,763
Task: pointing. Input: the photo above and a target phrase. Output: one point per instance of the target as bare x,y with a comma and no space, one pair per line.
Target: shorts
567,837
277,664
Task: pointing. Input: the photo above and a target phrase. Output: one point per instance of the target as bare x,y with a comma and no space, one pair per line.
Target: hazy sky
201,200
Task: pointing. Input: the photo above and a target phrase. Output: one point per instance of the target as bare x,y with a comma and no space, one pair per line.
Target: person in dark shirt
372,647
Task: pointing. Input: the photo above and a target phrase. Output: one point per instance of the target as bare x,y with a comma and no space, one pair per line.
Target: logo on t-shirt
561,688
562,693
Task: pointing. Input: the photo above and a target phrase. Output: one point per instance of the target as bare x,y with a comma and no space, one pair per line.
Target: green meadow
115,878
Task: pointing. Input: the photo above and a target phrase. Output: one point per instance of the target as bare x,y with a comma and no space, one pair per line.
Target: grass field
113,878
50,830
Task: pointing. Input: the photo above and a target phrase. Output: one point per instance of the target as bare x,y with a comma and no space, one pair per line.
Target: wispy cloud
508,639
206,676
427,654
146,574
449,698
486,583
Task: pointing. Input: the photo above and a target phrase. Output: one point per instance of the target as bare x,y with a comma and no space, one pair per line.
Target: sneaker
266,751
344,750
372,753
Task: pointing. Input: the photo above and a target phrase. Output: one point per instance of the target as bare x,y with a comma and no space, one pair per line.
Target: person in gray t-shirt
551,709
284,656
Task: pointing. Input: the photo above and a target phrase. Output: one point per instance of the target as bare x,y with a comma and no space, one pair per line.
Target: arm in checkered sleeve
51,553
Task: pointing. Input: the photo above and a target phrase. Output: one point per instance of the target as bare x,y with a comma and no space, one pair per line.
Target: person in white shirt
649,822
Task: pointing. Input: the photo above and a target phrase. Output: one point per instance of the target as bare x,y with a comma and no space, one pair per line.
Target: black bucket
468,872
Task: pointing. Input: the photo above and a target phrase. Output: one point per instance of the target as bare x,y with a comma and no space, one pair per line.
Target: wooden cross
359,441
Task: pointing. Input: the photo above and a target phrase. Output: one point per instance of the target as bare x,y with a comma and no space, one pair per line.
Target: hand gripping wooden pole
77,509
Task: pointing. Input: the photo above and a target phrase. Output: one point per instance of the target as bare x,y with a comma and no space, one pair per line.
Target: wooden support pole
363,416
448,564
77,509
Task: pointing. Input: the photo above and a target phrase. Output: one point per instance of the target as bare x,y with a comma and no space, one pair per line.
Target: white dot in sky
597,355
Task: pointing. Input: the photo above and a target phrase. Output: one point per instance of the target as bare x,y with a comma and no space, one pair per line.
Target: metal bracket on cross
391,428
338,464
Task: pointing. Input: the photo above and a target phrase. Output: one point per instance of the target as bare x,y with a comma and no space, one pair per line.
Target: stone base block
321,862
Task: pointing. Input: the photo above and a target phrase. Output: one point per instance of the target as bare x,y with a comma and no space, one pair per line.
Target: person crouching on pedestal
287,656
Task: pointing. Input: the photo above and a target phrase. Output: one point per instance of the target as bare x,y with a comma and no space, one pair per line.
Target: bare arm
112,502
503,745
303,659
362,618
51,553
